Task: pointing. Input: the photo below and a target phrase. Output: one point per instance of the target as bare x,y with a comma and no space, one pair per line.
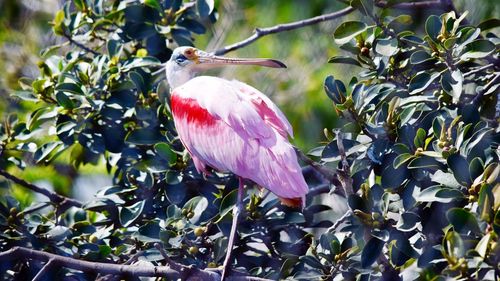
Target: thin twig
176,266
54,197
78,44
324,171
261,32
45,269
479,69
339,221
345,173
486,87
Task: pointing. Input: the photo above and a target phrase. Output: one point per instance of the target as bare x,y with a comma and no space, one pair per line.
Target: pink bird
232,127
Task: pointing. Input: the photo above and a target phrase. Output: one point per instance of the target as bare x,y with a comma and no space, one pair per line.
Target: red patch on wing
190,109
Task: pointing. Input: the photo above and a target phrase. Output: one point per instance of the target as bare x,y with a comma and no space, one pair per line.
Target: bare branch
79,45
261,32
339,221
410,5
324,171
493,82
479,69
104,268
175,266
45,269
345,173
19,253
54,197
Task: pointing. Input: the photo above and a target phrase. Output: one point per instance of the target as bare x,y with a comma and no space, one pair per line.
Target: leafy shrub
416,154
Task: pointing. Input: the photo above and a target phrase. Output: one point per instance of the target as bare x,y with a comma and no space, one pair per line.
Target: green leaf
335,90
344,60
348,30
403,19
423,161
197,205
489,24
70,88
463,221
129,214
204,7
228,203
408,222
25,95
387,47
165,152
144,136
58,233
476,168
433,27
420,57
453,245
153,4
371,252
58,23
477,49
421,81
394,178
482,246
419,140
401,159
44,151
364,6
452,83
460,168
438,193
64,100
485,201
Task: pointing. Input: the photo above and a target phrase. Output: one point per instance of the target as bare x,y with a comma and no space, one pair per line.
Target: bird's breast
190,110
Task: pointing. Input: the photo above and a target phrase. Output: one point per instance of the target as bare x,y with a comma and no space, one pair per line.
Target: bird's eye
180,59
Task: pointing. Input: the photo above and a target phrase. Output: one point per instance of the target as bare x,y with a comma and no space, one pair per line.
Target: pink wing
232,127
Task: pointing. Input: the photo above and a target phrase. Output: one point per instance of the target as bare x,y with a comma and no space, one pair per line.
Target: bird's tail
292,202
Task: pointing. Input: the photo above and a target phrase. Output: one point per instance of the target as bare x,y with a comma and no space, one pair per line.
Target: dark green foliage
420,143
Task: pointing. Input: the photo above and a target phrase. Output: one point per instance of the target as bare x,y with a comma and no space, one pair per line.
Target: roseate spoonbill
231,126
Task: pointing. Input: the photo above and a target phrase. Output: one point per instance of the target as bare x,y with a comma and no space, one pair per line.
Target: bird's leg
236,213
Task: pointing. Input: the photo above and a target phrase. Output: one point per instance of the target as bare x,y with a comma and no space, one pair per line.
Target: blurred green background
298,90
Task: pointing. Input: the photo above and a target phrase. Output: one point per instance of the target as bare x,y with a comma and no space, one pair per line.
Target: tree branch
479,69
345,173
410,5
339,221
486,88
79,45
54,197
168,272
45,269
329,174
261,32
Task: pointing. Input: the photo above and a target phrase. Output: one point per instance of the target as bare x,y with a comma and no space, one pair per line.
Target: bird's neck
178,76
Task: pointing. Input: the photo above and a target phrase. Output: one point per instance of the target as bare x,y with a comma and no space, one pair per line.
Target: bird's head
186,62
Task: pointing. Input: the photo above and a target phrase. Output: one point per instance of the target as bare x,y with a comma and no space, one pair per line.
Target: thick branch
54,197
261,32
168,272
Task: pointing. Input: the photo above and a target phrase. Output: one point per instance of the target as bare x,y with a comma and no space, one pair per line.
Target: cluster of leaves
419,142
422,149
105,102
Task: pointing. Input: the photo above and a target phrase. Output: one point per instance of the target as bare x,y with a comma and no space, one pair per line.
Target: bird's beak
207,59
